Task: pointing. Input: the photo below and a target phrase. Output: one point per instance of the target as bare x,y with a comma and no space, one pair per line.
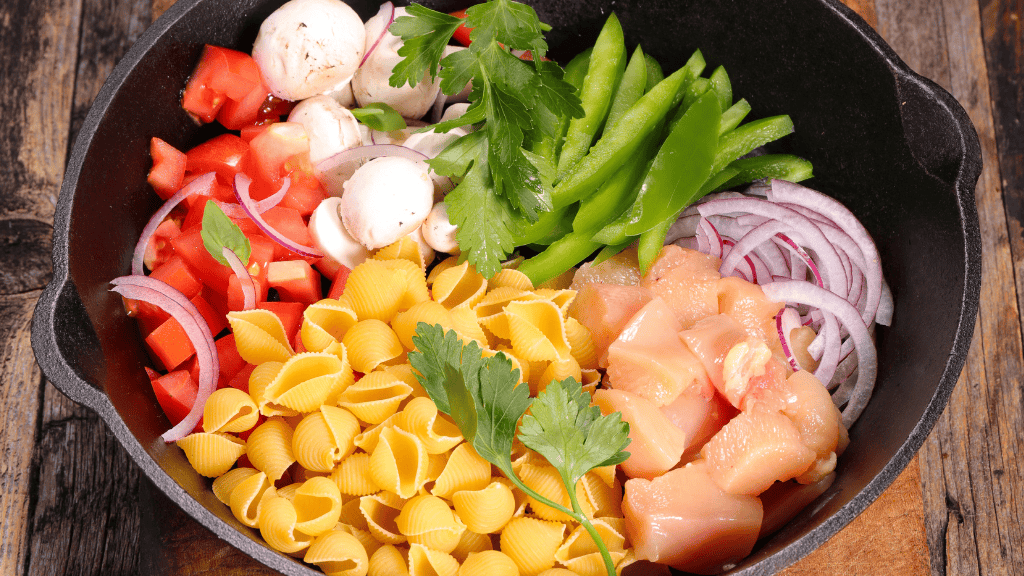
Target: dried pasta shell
380,511
338,553
562,298
469,543
259,380
399,462
561,282
211,454
459,285
536,330
465,324
353,476
404,372
375,397
260,336
405,248
557,571
590,379
375,290
485,510
490,311
348,377
427,520
269,448
288,491
581,344
489,563
416,288
423,560
247,497
605,473
604,498
580,554
510,278
229,410
317,506
560,370
351,515
371,343
532,543
449,262
364,537
437,432
224,484
318,444
523,367
367,440
429,312
325,322
277,526
306,381
389,560
465,470
544,480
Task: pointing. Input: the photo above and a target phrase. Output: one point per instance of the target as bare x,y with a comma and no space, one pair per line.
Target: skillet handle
60,317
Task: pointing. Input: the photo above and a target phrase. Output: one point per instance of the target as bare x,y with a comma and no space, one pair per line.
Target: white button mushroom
454,111
426,252
331,237
385,199
431,144
370,83
438,231
330,127
309,47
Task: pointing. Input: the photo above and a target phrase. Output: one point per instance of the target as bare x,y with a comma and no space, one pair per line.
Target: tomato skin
189,245
178,275
176,392
222,76
295,281
272,148
215,320
338,284
168,168
461,34
170,344
226,155
290,314
159,249
230,361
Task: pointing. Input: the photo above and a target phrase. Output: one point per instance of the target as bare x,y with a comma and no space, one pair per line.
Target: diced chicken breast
754,449
730,357
622,269
688,281
747,304
656,444
784,500
648,358
604,309
685,520
699,416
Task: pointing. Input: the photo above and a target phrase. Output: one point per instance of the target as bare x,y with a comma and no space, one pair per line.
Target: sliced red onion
165,297
747,272
244,278
803,257
746,243
885,306
708,239
811,295
202,184
387,14
335,170
232,210
785,322
242,183
684,227
773,259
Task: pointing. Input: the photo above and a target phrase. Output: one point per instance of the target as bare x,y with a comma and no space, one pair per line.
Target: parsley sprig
484,398
517,103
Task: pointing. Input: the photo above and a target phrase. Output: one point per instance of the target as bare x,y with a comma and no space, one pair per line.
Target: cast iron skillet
893,146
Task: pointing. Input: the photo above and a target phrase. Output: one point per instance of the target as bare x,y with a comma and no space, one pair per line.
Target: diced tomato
159,248
305,192
225,154
338,284
241,379
147,315
461,33
236,114
230,361
221,74
215,320
189,245
176,392
236,297
176,273
295,281
217,300
194,217
274,108
255,129
289,223
153,374
170,344
168,168
290,314
274,146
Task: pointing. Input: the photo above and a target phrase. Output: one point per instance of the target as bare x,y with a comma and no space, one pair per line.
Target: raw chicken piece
688,282
784,500
622,269
685,520
730,357
747,304
754,449
649,359
655,443
604,309
700,416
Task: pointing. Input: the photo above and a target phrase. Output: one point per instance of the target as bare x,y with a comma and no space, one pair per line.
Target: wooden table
69,495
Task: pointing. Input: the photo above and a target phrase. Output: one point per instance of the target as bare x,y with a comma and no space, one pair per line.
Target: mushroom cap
333,240
309,47
330,127
385,199
370,83
439,232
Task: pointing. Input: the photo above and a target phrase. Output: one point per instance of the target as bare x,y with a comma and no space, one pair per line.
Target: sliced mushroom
331,237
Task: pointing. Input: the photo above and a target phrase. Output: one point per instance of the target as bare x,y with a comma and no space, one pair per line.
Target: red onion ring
803,256
335,170
175,303
202,184
244,278
242,183
232,210
708,239
785,321
387,12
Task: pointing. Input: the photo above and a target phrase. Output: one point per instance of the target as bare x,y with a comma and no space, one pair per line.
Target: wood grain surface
72,502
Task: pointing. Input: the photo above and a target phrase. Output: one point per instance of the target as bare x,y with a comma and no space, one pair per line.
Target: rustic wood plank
85,518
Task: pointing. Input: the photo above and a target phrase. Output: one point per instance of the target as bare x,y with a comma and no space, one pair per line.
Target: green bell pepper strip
716,182
609,251
682,165
548,222
722,86
780,166
607,63
561,255
651,243
749,136
732,117
631,87
654,73
550,145
621,141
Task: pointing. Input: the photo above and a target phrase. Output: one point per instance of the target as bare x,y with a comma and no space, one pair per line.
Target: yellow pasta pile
382,483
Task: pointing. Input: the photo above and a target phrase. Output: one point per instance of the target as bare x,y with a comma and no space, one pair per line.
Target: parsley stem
582,519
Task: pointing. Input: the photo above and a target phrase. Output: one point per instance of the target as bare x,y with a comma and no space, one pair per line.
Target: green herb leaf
485,220
219,232
379,116
425,33
513,24
456,159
